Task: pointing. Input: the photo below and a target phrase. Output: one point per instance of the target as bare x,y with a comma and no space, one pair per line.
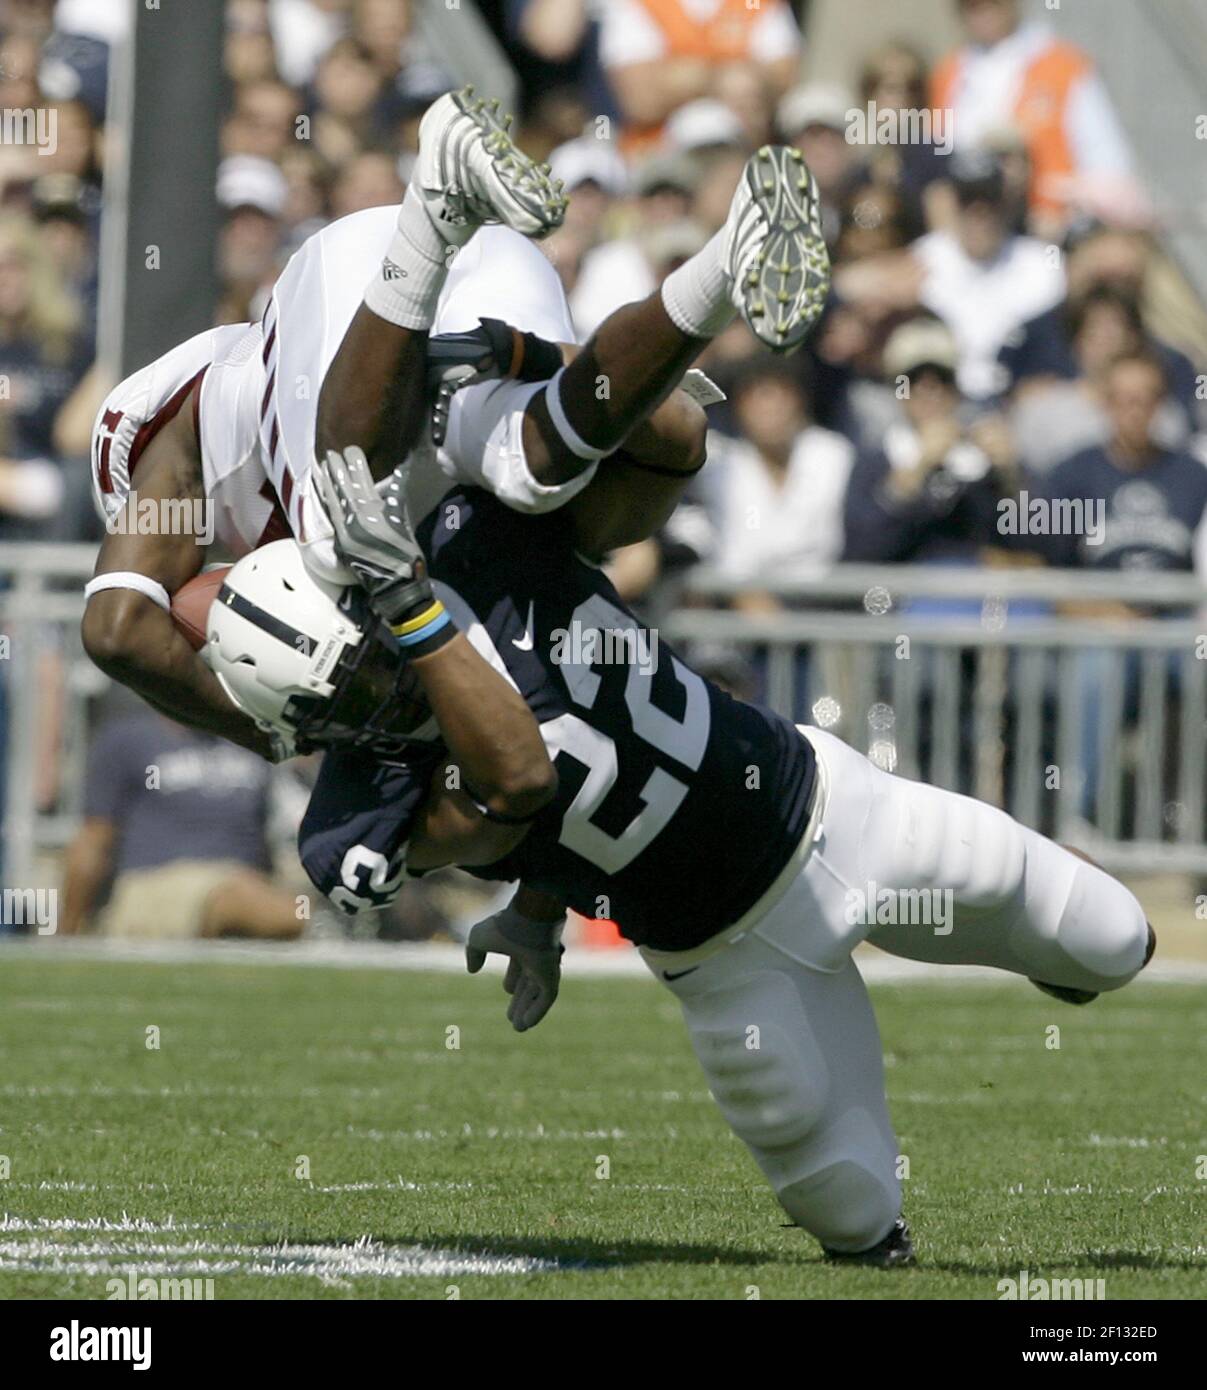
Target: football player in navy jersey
746,857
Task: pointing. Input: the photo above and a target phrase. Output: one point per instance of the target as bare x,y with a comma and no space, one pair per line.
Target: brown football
191,604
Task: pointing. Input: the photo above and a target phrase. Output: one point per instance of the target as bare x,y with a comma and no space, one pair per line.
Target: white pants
498,274
779,1016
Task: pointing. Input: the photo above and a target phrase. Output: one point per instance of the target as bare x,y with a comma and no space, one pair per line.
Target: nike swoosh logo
527,642
679,974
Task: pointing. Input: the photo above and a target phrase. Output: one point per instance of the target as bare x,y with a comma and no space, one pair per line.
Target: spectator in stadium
344,101
1144,510
411,72
1152,498
705,126
253,193
874,221
930,492
778,489
77,144
43,355
248,54
815,119
370,180
1014,71
623,270
748,92
555,46
66,214
302,31
177,819
1061,412
894,83
264,122
594,176
308,180
1104,266
980,279
661,54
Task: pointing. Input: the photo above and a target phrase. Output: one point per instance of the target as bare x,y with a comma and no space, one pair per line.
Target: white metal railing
993,699
1093,730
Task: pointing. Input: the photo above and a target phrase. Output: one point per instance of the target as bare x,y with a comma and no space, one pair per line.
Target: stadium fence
971,678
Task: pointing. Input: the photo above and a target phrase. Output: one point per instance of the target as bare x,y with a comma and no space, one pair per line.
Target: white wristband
128,579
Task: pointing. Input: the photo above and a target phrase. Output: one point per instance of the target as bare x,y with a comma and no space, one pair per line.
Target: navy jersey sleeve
353,837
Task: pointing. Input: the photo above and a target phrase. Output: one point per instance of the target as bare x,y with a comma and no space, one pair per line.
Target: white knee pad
924,837
1101,934
847,1194
764,1069
825,1157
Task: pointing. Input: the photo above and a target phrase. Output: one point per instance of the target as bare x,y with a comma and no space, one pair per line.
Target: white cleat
776,253
470,173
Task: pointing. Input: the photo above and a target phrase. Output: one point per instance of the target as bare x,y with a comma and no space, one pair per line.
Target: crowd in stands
1003,312
993,253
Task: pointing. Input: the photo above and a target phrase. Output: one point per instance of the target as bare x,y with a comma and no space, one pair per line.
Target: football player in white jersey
536,444
228,420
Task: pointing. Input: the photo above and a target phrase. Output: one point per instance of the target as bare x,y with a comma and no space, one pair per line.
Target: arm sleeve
353,838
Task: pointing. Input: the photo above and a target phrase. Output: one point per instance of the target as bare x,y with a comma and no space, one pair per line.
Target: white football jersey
227,363
256,412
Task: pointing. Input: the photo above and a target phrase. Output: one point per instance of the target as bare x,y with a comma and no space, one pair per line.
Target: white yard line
446,958
362,1259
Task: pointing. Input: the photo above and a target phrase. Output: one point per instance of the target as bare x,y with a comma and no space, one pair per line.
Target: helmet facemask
377,703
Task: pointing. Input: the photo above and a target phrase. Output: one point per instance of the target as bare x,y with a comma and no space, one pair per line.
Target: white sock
408,282
697,295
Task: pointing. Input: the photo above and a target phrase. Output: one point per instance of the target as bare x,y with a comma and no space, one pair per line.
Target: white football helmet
308,659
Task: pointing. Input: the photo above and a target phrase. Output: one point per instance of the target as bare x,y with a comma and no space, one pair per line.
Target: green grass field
184,1160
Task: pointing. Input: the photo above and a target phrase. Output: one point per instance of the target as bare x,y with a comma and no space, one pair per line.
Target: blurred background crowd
1006,310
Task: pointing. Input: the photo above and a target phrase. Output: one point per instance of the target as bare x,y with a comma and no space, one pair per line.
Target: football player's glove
489,352
534,968
373,535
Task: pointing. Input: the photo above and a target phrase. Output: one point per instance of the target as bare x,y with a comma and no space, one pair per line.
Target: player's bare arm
130,635
374,393
635,491
486,725
495,741
451,830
